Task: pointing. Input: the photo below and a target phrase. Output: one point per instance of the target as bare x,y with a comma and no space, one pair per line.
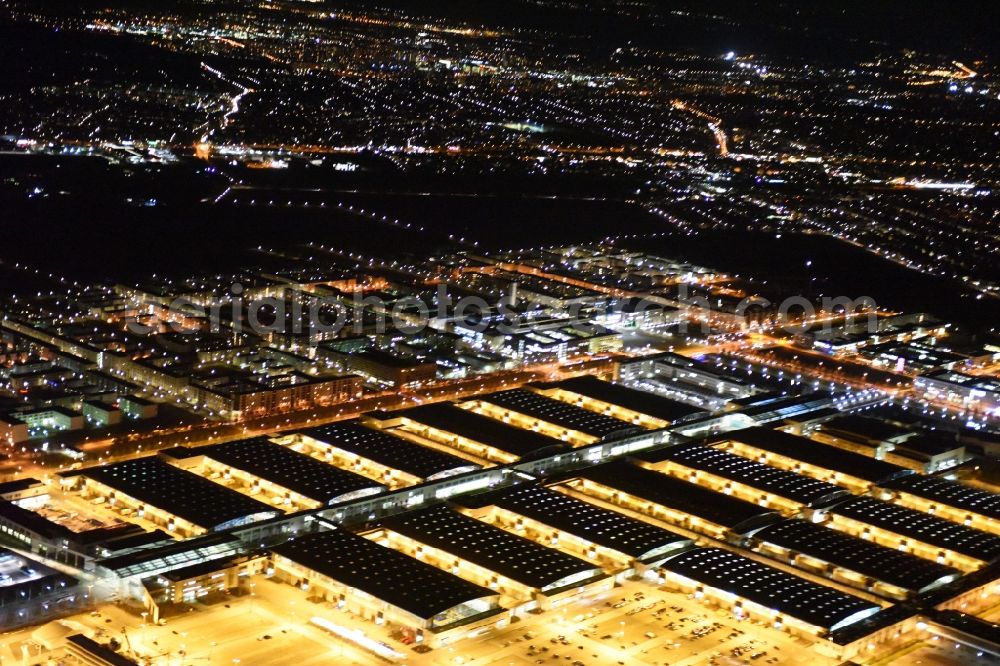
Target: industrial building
627,404
547,516
398,460
77,541
948,499
925,452
923,534
696,382
853,471
673,500
31,591
533,411
512,564
285,477
765,593
847,559
194,582
714,468
382,584
969,391
183,503
467,431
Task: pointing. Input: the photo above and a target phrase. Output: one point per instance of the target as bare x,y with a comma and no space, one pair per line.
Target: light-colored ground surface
594,633
934,652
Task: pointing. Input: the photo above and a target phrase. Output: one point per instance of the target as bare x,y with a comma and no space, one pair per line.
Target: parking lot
635,623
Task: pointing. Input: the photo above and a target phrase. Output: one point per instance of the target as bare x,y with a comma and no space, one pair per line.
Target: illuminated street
662,333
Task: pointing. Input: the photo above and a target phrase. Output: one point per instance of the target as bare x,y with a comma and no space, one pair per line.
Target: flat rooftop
604,527
985,384
951,493
482,429
509,555
559,413
386,449
922,526
173,555
864,557
786,593
970,624
101,654
776,407
730,512
864,426
34,521
704,367
817,454
389,360
796,487
629,398
153,481
386,574
290,469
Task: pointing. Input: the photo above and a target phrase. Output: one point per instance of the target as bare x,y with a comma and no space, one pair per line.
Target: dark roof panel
290,469
796,487
386,449
951,493
629,398
788,594
507,554
730,512
597,525
816,453
922,526
478,428
183,494
394,577
864,557
559,413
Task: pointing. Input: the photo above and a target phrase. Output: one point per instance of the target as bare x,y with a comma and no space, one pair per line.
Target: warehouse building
286,478
567,422
853,471
763,593
714,468
397,461
627,404
619,543
871,436
36,593
675,374
906,447
194,582
948,499
511,564
44,536
923,534
133,568
384,585
973,392
184,504
879,569
475,434
673,500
